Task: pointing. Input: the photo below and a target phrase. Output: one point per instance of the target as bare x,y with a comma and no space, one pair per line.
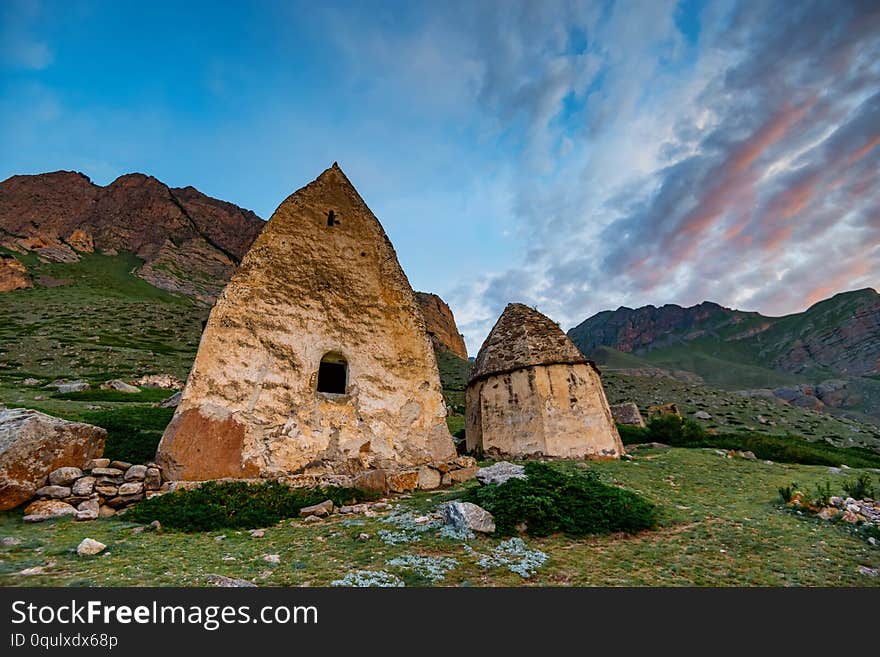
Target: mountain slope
189,242
835,342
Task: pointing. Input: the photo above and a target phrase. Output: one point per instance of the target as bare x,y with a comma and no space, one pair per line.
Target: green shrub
787,492
133,432
860,488
631,435
237,504
550,501
823,494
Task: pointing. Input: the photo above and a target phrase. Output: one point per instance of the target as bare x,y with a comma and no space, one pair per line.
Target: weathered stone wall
307,288
546,410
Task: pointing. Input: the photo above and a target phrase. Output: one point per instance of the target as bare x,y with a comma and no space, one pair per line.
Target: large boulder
465,515
119,386
33,444
627,413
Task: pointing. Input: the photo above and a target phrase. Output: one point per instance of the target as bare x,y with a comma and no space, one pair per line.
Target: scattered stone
30,382
257,533
33,444
34,570
97,463
49,508
131,488
9,541
83,486
627,413
73,386
354,508
57,492
228,582
363,537
107,472
500,472
64,476
833,470
166,381
135,473
466,515
153,479
124,500
156,526
457,476
88,510
121,386
272,558
322,509
702,415
90,547
380,506
310,520
173,401
402,481
870,572
373,480
828,513
429,478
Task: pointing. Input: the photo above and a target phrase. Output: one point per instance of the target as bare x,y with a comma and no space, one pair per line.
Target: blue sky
576,156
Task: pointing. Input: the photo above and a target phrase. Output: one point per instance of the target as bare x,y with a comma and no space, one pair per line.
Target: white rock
498,473
89,547
64,476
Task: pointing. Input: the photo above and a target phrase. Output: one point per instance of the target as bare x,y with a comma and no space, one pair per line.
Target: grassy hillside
93,319
733,412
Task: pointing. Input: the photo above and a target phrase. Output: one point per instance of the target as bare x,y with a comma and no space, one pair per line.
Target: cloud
20,47
741,167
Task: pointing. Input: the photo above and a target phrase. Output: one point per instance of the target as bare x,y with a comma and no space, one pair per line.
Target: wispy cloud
20,45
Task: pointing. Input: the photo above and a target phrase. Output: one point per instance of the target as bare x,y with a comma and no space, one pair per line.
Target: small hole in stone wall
331,219
333,374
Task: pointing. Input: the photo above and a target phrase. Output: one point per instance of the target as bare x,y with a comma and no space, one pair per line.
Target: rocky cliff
190,242
440,324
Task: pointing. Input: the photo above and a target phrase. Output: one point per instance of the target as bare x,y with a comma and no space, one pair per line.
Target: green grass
785,449
714,516
146,395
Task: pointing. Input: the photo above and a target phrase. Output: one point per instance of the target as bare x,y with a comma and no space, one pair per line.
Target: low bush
631,435
860,488
133,432
672,430
237,505
551,501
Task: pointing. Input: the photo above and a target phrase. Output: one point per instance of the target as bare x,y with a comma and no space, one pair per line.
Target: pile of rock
101,489
166,381
426,477
852,511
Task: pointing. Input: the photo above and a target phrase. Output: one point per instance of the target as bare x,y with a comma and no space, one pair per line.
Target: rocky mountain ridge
189,242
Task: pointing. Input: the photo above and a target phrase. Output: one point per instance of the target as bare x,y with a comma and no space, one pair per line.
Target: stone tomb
315,358
532,393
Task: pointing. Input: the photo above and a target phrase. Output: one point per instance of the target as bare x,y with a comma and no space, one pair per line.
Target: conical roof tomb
533,393
315,358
